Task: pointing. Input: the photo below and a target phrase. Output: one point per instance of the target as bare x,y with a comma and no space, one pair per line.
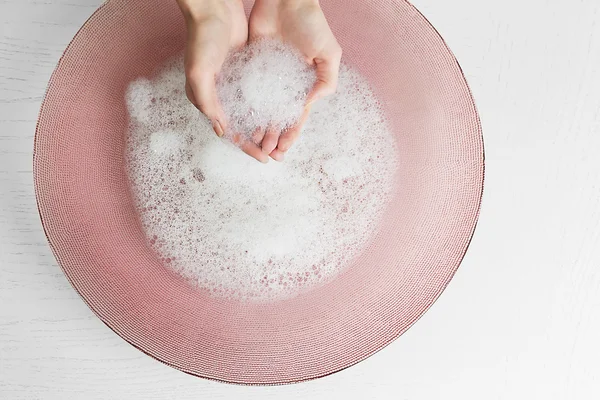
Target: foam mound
265,83
245,230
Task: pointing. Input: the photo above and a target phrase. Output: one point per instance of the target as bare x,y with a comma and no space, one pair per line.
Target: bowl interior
92,226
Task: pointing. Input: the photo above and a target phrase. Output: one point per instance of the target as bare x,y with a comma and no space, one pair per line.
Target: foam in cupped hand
240,229
264,84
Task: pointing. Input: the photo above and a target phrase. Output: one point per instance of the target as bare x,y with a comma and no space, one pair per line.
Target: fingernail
278,157
217,127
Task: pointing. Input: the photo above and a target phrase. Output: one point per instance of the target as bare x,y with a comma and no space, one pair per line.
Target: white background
520,320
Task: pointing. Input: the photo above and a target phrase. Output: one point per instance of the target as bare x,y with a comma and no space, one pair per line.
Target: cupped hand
213,28
302,24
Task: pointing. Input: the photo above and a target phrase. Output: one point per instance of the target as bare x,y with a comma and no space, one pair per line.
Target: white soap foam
166,142
266,83
242,229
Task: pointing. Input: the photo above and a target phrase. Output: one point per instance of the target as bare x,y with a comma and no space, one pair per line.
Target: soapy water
245,230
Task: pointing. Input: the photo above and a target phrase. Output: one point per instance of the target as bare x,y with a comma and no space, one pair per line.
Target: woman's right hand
214,27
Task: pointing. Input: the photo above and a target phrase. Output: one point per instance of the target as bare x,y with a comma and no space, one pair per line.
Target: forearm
194,10
279,2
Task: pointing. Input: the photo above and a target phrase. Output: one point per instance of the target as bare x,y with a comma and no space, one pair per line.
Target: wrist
202,9
276,3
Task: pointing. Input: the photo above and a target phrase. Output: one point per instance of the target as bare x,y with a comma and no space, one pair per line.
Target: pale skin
217,26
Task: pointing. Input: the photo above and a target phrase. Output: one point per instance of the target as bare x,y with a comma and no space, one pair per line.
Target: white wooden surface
521,319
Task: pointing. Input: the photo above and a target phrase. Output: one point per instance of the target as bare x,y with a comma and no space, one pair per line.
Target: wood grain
519,321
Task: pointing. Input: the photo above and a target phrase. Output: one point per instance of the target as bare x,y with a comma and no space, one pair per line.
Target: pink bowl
91,224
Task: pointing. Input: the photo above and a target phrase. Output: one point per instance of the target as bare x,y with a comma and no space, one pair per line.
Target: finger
258,135
248,147
201,88
327,75
277,155
287,138
217,127
254,151
269,142
290,135
190,94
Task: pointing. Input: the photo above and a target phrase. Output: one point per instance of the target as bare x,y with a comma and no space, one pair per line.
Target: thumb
327,77
202,93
